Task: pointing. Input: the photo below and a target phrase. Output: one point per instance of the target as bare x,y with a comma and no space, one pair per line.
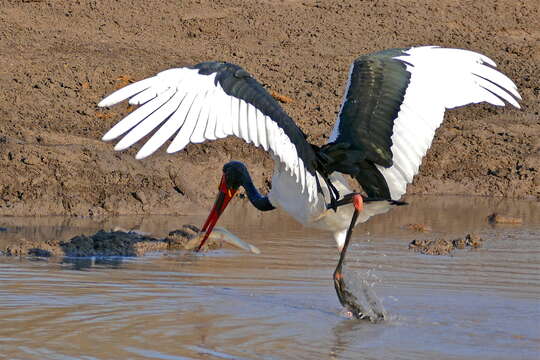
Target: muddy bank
117,242
446,246
52,161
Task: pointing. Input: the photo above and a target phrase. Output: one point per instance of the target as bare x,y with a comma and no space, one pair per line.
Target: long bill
223,198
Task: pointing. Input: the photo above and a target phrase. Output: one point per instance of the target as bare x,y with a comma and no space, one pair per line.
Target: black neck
257,199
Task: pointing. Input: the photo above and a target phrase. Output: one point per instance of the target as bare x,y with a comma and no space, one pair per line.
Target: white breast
286,194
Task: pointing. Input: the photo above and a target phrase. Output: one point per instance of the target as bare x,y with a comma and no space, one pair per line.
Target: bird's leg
358,206
345,200
347,299
334,194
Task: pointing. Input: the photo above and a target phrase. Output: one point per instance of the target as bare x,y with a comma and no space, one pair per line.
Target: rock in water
504,219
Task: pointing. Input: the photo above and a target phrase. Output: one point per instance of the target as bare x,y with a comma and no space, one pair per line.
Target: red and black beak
225,195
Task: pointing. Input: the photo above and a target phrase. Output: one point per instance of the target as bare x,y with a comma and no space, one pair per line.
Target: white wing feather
189,107
440,79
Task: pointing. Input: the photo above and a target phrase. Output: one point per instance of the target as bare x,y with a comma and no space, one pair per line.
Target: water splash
362,302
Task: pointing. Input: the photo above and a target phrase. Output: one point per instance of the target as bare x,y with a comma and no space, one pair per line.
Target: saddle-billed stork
393,103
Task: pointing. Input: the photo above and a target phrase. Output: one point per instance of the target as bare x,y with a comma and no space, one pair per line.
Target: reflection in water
88,262
346,334
228,304
449,214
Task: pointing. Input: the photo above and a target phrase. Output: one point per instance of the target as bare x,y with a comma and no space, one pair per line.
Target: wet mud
418,227
445,246
59,58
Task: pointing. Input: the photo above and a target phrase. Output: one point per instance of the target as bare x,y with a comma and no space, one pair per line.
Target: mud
59,58
445,246
109,243
418,227
504,219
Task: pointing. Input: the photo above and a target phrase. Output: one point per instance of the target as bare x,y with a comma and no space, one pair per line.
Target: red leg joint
358,202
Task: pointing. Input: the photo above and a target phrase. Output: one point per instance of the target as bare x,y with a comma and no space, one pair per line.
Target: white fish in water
224,235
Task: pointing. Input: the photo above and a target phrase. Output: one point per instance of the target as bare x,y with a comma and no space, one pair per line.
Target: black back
376,90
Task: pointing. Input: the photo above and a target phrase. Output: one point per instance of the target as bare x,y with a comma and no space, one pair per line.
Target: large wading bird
393,103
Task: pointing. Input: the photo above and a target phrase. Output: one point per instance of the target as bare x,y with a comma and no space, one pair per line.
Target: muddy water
229,304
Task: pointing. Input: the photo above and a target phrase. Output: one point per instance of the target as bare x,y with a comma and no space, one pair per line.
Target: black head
235,174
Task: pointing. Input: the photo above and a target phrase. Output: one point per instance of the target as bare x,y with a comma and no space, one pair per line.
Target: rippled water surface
281,304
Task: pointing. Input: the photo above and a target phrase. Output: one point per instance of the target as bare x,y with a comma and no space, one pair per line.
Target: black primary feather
372,102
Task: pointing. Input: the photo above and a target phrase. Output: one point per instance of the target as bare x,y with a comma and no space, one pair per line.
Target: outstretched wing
395,100
210,101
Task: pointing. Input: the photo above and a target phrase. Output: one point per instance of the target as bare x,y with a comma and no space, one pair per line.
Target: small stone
138,195
473,240
31,159
432,247
417,244
418,227
459,243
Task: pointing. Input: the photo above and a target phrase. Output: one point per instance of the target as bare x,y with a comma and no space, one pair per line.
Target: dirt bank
59,58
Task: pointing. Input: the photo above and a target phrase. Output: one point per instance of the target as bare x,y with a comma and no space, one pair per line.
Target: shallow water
229,304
